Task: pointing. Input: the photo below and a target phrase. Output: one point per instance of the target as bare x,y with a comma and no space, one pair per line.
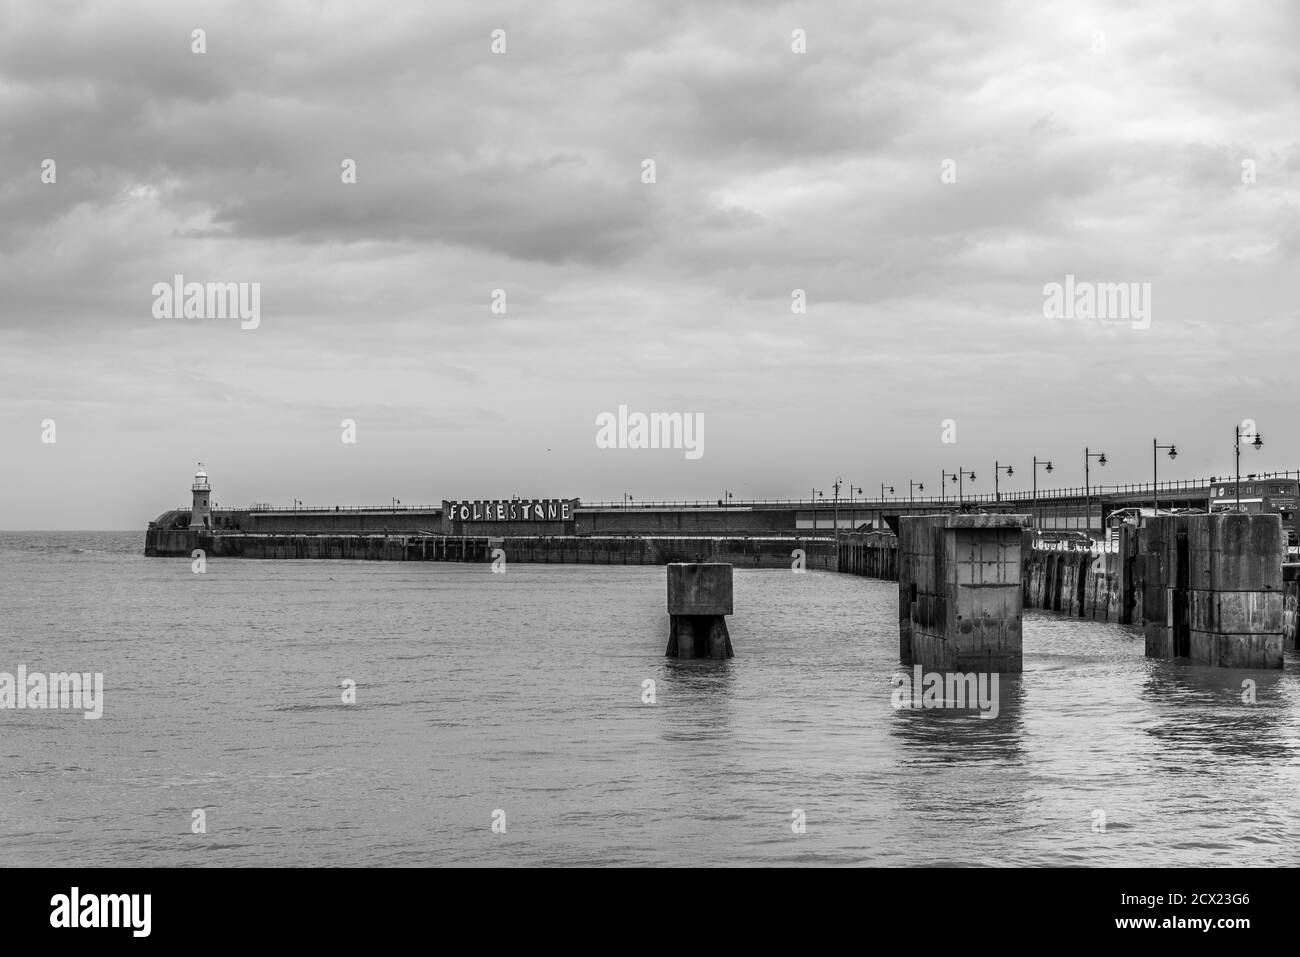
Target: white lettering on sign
515,510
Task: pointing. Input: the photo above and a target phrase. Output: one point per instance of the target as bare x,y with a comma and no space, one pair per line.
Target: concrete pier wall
676,522
586,550
762,521
314,521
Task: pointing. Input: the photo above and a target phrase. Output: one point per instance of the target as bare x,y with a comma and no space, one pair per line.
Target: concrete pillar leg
685,636
719,639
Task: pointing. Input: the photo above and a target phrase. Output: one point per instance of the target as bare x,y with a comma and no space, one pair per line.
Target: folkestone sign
514,510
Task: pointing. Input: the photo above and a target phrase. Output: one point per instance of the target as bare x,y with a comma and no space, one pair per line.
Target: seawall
586,550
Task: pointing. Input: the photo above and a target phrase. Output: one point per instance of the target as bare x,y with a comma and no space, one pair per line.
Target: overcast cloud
775,170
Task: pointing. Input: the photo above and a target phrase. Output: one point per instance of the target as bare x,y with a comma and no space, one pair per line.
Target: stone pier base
699,636
960,595
1213,589
699,596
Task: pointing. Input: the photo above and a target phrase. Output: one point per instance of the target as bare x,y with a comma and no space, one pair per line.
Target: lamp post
1048,463
838,482
882,491
961,473
1087,487
1239,435
627,499
912,486
957,477
815,495
997,471
1155,481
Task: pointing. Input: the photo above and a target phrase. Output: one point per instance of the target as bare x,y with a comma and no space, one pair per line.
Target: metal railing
291,509
1044,496
340,508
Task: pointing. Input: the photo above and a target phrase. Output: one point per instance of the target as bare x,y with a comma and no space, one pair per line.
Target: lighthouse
201,515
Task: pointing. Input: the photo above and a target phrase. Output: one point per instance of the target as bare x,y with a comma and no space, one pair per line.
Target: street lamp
882,491
838,482
997,472
1048,463
914,485
1155,482
957,477
1257,443
960,475
627,498
815,496
1087,488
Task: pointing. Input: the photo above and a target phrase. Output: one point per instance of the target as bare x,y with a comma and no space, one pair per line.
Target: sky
921,172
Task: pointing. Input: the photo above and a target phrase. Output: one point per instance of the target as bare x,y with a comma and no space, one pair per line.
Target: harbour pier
1211,588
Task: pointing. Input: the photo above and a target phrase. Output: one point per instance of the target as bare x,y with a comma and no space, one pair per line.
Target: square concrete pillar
699,596
699,588
961,594
1213,589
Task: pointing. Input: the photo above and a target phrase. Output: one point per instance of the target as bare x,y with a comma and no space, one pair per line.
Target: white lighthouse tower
201,514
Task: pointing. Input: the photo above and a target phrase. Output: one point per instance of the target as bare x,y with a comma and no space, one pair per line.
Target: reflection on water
701,690
1228,720
523,692
953,736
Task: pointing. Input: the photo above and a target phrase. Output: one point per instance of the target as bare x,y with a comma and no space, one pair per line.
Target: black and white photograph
671,436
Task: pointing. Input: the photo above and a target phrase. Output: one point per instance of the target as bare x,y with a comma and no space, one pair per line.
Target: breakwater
1145,580
577,549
